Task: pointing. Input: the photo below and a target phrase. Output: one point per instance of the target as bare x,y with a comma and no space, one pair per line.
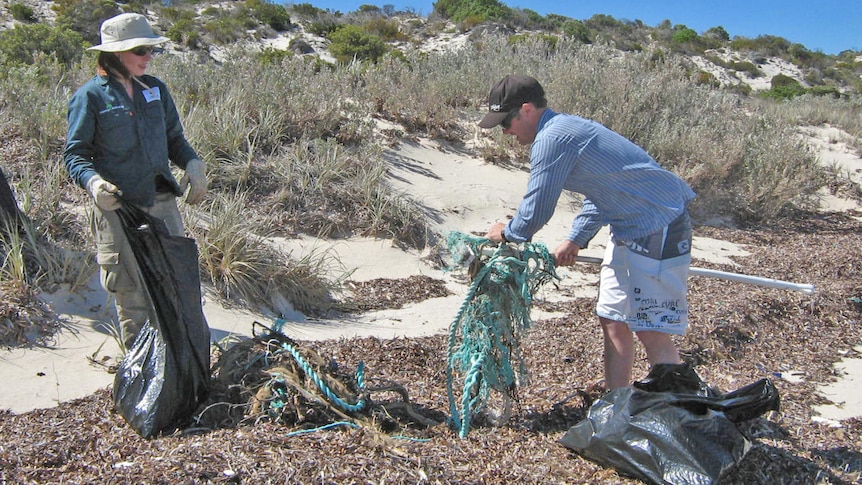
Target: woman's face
136,59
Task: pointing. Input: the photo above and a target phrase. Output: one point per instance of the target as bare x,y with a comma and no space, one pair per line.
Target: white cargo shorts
644,282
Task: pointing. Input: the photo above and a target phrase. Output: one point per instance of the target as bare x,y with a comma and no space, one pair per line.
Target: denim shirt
623,185
128,142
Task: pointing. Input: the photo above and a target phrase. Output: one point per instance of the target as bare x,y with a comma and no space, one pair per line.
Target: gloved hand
196,177
104,193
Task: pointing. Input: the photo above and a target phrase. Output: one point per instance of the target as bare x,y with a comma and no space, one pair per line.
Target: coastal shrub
549,40
349,42
576,30
717,33
185,32
683,34
458,10
784,87
22,13
386,30
267,13
306,9
22,44
746,67
84,16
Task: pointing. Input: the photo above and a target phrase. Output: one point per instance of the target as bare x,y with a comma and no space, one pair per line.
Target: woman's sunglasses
142,50
507,121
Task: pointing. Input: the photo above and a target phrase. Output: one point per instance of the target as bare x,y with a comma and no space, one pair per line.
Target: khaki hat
509,93
125,32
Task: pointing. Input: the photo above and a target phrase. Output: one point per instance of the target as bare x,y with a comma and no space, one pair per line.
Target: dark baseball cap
511,92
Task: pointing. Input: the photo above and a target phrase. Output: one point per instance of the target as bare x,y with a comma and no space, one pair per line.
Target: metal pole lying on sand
724,275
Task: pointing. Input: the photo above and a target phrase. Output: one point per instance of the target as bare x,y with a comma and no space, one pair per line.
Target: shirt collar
546,116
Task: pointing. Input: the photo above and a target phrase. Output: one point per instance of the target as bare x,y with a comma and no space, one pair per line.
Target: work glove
104,193
196,178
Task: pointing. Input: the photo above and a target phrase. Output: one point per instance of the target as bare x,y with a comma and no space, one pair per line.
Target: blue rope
324,388
333,398
322,428
309,371
490,321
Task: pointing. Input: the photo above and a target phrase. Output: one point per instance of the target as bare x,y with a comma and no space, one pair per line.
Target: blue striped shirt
623,185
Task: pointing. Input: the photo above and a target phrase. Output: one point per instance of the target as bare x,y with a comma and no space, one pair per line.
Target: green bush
307,10
272,56
387,30
323,26
85,16
185,32
576,30
717,33
19,44
784,87
275,16
459,10
22,13
350,42
684,34
227,29
704,78
745,66
548,40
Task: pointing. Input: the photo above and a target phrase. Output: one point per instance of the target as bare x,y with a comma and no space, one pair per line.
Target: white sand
459,191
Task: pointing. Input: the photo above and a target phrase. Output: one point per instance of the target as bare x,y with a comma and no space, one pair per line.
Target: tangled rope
484,338
319,382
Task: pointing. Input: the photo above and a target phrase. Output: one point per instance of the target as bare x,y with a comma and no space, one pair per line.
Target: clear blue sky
830,26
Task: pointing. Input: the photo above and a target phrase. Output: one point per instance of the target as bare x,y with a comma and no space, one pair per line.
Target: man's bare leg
619,353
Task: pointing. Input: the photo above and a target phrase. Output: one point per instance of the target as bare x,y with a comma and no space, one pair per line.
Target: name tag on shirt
152,94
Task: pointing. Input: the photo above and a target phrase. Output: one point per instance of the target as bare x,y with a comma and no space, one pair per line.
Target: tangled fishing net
274,378
484,338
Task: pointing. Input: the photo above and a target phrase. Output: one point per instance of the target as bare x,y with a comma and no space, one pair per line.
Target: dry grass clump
738,334
24,318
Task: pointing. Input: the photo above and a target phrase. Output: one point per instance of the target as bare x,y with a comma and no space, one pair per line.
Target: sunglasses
142,50
507,121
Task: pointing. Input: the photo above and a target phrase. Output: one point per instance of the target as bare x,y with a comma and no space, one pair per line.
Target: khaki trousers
119,273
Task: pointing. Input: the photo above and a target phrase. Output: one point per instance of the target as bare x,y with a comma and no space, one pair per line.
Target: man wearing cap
124,129
643,280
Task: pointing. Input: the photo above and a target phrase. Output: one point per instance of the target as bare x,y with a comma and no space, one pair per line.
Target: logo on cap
496,107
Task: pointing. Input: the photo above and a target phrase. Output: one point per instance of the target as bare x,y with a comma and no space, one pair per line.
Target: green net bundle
484,338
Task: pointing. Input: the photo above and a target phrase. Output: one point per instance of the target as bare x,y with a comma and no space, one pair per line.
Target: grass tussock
244,266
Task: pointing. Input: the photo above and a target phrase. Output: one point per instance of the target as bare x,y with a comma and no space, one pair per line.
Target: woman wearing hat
123,131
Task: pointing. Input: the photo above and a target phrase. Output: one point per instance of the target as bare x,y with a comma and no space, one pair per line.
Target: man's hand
495,233
196,178
104,193
565,253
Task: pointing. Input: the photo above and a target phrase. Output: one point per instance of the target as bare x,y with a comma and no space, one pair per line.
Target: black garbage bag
165,375
670,438
10,215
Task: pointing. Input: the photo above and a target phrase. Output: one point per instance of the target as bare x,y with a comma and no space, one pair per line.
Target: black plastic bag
670,438
165,375
10,215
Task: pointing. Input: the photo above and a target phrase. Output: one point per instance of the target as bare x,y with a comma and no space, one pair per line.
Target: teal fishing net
484,353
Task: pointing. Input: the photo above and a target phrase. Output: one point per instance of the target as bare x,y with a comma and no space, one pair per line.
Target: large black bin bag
670,438
165,375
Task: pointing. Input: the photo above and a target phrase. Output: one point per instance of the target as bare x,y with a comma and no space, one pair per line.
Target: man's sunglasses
507,121
142,50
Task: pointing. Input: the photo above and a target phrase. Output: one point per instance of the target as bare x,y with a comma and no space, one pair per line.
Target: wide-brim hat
125,32
509,93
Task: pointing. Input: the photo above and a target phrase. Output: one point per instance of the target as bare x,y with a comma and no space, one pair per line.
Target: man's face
521,125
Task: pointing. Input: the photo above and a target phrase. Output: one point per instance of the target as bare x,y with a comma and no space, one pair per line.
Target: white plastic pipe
724,275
